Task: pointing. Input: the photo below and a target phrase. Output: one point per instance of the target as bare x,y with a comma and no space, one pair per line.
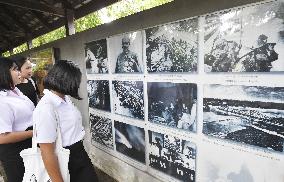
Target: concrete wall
72,48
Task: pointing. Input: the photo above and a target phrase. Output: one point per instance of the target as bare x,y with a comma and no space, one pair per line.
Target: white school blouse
16,111
70,120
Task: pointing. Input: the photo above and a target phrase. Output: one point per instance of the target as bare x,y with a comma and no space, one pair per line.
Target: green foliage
6,54
42,60
20,48
105,15
86,22
49,37
116,11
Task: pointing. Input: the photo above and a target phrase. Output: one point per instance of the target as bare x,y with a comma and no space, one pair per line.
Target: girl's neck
58,94
24,80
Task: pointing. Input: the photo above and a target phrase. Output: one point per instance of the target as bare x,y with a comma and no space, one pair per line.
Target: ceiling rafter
42,20
93,6
34,6
40,17
14,17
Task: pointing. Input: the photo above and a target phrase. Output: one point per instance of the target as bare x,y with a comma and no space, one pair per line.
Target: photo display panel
246,114
101,129
96,57
247,39
126,53
198,99
173,156
172,47
128,99
98,92
172,104
130,141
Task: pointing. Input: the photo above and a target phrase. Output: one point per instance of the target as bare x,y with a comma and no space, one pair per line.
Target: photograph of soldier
130,141
172,47
98,94
247,39
101,130
128,98
172,156
173,104
245,114
96,57
126,53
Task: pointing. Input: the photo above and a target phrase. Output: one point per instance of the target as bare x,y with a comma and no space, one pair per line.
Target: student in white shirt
15,121
63,79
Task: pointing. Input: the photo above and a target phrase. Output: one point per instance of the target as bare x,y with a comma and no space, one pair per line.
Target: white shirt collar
54,98
7,92
4,93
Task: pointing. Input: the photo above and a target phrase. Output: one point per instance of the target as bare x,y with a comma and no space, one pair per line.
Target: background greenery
105,15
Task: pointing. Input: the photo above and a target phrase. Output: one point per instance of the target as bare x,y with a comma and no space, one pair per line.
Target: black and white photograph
96,57
98,93
101,130
251,115
172,156
248,39
172,47
125,53
173,104
130,141
128,99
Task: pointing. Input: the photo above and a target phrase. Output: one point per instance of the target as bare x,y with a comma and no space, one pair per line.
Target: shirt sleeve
46,124
6,118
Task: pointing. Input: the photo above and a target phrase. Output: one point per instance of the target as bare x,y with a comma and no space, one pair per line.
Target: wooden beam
69,24
19,34
34,6
4,38
93,6
30,44
66,4
4,25
41,19
15,18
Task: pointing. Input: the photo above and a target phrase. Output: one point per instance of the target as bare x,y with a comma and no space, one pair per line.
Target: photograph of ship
248,39
96,57
130,141
128,98
98,93
172,156
173,104
101,130
172,47
251,115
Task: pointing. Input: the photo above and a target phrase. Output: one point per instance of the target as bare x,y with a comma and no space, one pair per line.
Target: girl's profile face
15,74
26,70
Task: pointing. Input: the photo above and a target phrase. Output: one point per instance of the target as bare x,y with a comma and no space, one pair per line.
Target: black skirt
80,166
12,161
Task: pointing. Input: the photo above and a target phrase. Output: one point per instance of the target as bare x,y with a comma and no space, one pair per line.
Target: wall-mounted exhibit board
199,99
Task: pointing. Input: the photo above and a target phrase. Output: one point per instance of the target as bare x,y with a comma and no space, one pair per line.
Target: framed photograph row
244,39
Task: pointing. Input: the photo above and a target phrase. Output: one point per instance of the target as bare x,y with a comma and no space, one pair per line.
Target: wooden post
30,44
69,25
